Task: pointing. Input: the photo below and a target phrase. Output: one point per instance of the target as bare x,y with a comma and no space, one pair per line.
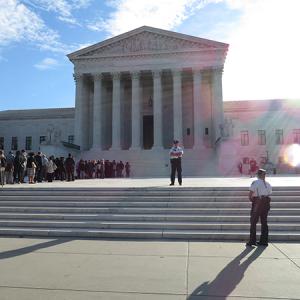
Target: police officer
259,194
176,153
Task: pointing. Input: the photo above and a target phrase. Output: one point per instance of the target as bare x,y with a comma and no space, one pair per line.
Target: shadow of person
227,280
31,248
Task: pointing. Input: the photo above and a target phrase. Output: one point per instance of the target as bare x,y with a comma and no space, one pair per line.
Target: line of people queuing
38,168
87,169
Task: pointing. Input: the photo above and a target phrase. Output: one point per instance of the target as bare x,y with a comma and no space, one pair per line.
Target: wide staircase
155,213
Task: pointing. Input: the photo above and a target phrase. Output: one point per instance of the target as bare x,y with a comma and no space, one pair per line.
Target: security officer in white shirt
259,195
176,153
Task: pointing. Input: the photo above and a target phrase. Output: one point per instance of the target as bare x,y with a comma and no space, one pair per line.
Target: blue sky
35,36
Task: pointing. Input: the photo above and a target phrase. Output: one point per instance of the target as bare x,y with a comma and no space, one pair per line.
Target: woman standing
31,167
51,167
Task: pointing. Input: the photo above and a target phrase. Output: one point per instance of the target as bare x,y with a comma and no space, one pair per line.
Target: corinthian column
78,122
116,112
157,110
177,105
217,105
97,111
135,111
198,125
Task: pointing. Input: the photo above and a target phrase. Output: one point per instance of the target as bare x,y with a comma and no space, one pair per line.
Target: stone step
146,225
144,234
181,199
138,217
152,204
287,191
146,210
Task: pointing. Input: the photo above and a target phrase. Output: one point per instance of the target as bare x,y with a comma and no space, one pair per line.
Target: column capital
116,75
97,76
156,73
217,70
135,74
176,72
77,76
197,72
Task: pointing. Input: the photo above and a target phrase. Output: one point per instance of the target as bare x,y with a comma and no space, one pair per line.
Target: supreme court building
138,91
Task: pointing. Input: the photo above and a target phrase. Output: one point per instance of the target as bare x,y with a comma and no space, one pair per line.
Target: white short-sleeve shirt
178,151
260,188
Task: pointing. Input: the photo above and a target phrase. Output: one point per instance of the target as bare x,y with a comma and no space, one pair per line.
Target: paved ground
46,269
163,182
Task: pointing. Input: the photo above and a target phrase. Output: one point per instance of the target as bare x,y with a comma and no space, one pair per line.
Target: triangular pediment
146,40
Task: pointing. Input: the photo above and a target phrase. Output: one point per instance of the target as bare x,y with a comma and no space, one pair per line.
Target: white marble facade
141,90
269,116
168,82
44,126
138,91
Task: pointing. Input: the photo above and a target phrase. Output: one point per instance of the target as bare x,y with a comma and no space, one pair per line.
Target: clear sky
263,61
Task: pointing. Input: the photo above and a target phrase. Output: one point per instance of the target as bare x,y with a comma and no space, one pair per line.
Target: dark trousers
176,166
39,174
70,174
260,210
17,175
50,177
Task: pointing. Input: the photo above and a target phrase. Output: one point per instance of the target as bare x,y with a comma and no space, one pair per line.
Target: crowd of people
37,167
251,166
86,169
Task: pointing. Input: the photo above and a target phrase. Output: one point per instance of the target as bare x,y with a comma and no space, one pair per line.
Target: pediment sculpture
146,42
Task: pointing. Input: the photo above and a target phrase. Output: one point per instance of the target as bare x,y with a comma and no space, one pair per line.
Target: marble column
116,112
157,110
135,112
97,112
177,105
198,123
217,105
78,121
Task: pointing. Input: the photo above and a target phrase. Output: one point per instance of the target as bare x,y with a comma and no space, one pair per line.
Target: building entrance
147,132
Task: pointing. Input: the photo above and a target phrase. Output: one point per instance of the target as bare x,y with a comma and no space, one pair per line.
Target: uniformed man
259,194
176,153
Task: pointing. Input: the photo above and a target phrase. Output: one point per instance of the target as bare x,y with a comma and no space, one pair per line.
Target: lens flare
292,155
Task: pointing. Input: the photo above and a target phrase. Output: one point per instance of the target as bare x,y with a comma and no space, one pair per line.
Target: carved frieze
146,42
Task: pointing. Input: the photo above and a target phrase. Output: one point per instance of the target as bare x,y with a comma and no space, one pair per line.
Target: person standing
259,194
51,167
9,170
23,158
176,153
253,167
70,167
18,168
102,168
39,167
2,167
44,166
127,169
31,167
114,166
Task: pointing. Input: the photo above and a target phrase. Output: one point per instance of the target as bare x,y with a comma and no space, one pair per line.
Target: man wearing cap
259,194
176,153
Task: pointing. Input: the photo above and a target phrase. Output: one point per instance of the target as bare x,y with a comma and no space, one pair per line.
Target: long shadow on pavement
28,249
227,280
